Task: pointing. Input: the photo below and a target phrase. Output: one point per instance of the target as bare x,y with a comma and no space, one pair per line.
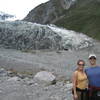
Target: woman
79,81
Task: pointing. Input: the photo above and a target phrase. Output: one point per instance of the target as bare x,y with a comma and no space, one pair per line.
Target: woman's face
81,65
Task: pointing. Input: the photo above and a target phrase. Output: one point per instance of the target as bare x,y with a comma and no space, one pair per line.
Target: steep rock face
49,12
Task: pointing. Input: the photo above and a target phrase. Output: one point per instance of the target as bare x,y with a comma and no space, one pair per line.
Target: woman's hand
75,97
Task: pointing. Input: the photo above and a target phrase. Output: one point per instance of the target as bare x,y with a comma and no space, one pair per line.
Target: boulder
45,77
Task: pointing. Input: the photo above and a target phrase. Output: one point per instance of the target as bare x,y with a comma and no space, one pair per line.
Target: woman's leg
79,95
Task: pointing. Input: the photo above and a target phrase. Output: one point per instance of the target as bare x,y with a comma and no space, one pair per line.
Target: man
93,74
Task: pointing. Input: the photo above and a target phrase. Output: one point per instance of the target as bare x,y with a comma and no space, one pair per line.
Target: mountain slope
83,17
79,15
48,12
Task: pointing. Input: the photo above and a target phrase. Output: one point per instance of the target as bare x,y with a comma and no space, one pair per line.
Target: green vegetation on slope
84,17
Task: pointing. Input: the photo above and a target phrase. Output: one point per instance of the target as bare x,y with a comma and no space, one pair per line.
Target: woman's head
80,64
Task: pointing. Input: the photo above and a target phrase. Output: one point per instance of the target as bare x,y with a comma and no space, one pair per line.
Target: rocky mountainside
79,15
49,12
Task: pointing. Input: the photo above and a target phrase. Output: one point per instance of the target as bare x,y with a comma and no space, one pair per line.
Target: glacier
4,16
23,35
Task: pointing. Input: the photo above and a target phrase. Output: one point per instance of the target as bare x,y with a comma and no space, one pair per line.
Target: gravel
18,69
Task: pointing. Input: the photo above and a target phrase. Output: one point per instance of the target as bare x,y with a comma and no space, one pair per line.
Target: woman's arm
74,82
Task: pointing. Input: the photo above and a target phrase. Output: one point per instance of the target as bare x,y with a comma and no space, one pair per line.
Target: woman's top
82,81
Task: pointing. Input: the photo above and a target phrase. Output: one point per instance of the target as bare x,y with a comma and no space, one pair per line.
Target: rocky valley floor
19,68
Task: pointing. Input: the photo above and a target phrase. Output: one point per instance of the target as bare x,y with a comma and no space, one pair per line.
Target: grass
83,17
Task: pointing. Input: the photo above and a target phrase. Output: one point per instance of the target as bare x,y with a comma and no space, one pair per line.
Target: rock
15,78
16,88
46,77
3,72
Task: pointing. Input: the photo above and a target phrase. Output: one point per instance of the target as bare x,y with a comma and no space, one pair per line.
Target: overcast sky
19,8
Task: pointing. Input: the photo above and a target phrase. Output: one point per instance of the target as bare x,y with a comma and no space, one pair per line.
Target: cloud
19,8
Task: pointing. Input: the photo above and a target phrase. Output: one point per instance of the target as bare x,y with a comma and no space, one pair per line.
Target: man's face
92,60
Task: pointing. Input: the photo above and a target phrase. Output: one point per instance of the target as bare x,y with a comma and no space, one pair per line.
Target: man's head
92,59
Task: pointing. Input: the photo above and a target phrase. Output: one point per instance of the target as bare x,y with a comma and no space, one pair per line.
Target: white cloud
19,8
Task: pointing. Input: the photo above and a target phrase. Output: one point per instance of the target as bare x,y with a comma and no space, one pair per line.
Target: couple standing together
86,82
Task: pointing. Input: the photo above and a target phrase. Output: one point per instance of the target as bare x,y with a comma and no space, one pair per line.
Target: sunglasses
92,58
81,64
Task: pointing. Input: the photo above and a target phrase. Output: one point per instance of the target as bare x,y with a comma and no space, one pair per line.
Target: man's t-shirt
93,74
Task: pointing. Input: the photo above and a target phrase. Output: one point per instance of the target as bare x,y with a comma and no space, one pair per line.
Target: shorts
82,94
